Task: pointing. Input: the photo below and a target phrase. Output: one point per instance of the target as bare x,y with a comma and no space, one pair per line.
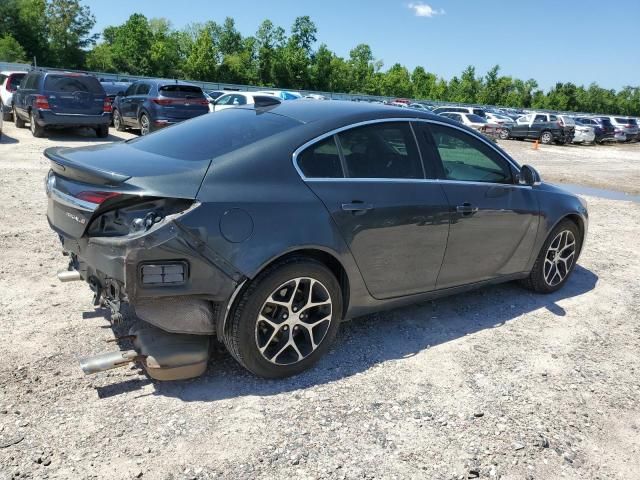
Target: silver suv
626,125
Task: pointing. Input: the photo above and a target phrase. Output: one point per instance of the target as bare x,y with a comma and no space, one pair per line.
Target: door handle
466,209
357,208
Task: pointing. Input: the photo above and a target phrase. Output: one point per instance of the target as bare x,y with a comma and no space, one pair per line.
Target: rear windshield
210,136
632,121
72,83
626,121
14,80
181,91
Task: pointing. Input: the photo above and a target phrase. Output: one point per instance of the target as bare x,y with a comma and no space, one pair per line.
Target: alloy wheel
293,321
559,258
144,125
116,120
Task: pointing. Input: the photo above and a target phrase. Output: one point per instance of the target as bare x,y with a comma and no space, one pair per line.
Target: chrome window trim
474,134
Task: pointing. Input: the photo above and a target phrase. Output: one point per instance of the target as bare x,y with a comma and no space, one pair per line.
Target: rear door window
384,150
75,83
540,118
321,160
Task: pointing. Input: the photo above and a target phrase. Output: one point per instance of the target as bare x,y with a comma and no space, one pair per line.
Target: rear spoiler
65,167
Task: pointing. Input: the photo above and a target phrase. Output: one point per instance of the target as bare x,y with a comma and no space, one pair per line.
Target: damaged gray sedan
267,227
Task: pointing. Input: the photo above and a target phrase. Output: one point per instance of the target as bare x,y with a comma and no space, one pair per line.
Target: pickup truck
545,127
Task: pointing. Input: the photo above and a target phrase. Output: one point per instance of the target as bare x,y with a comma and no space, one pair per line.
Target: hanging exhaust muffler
69,276
107,361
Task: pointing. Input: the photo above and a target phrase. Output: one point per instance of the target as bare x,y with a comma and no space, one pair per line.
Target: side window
382,150
242,100
553,118
130,91
466,158
223,100
540,118
321,160
143,89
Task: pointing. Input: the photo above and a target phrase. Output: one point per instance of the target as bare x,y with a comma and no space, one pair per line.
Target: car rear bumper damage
179,288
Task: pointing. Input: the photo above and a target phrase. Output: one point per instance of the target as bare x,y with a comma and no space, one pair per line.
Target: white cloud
424,10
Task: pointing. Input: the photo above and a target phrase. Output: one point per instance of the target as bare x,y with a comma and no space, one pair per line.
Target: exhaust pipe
107,361
69,276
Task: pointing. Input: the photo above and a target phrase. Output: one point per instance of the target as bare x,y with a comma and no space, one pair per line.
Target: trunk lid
86,181
181,102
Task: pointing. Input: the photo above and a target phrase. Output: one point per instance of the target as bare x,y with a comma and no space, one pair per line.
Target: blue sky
548,40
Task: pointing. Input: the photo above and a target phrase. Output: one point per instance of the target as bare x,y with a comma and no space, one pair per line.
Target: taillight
162,101
96,197
106,106
42,102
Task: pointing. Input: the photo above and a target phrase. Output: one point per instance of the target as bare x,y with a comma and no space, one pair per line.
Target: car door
521,128
535,125
137,101
493,219
126,105
371,180
21,98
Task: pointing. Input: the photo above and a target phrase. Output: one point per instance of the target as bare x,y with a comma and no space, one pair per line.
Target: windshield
475,118
209,136
72,83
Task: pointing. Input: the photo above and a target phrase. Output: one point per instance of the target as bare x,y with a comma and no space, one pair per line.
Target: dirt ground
497,383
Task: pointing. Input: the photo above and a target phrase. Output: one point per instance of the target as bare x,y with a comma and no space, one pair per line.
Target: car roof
11,72
166,81
343,111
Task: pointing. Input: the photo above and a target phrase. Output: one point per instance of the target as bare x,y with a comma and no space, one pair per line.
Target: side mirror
528,176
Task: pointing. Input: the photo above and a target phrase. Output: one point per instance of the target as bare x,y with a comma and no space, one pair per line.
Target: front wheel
556,259
286,319
504,134
546,138
117,121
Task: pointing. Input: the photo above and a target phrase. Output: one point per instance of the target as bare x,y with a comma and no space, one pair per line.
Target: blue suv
152,104
61,99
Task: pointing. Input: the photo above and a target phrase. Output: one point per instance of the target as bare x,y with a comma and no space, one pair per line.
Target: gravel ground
497,383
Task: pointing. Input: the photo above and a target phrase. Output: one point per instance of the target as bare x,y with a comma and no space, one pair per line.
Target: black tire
546,137
17,120
145,125
240,335
536,279
117,121
36,130
102,131
6,113
504,134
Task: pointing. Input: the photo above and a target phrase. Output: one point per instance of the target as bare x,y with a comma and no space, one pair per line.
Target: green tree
204,57
25,21
11,50
69,27
424,83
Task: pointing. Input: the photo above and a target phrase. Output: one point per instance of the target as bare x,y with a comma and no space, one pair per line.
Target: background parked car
61,99
244,99
152,104
211,96
419,106
500,119
602,127
583,133
113,89
627,125
281,94
9,82
476,122
475,110
541,126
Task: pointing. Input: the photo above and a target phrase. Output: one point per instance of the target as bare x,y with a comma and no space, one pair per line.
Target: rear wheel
145,125
504,134
36,130
102,131
546,137
6,112
117,121
556,259
286,319
17,120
